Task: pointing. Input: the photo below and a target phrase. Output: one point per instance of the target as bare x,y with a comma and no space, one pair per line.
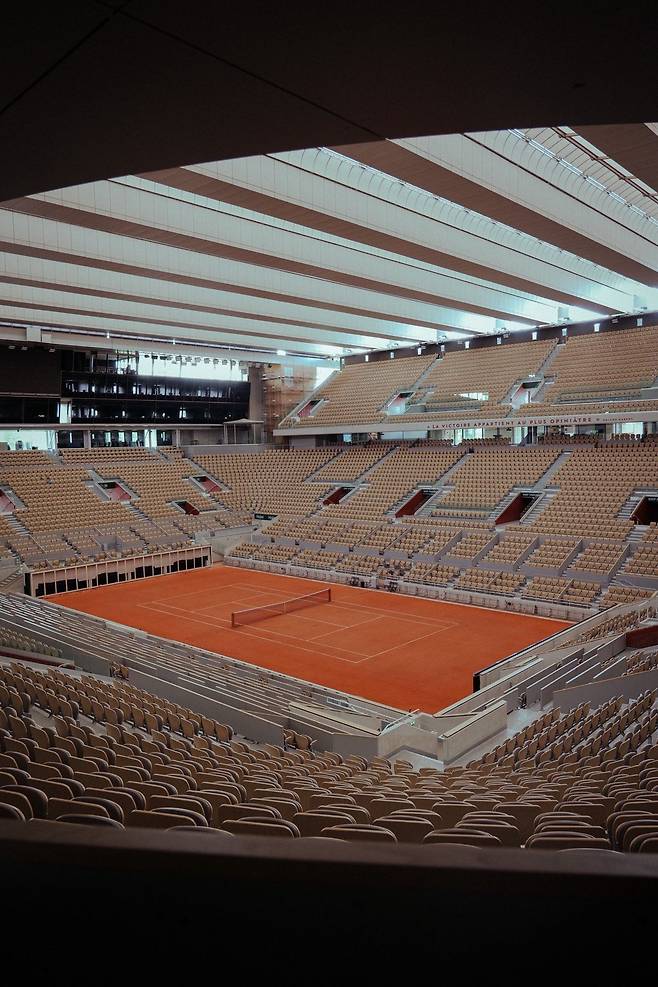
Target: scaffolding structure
283,388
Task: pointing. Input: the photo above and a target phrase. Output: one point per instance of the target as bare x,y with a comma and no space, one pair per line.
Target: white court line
420,599
225,620
167,608
413,618
402,644
230,586
257,637
338,604
317,620
219,622
378,615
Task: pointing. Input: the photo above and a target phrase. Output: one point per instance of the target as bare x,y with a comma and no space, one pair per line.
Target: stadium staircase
497,514
12,582
414,503
313,477
441,487
539,506
17,525
211,489
538,375
138,514
541,487
380,462
315,394
540,394
543,367
543,482
633,502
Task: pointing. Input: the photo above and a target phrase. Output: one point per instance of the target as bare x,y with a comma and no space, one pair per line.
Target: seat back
359,832
462,837
312,823
406,829
87,820
60,807
259,827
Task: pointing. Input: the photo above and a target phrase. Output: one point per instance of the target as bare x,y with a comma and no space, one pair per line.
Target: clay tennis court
405,651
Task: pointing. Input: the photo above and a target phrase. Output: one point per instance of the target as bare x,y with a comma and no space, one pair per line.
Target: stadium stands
596,372
578,530
598,366
82,746
579,527
360,391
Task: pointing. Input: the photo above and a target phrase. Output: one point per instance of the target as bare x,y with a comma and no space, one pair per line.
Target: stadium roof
328,251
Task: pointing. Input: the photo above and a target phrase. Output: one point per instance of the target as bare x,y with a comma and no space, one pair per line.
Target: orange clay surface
405,651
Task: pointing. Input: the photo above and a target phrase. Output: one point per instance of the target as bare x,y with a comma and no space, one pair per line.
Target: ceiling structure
96,88
331,250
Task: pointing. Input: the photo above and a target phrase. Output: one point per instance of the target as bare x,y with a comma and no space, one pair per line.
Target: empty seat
259,827
361,833
88,820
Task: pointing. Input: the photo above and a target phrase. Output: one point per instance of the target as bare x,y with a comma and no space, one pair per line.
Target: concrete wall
480,727
628,686
303,442
226,540
408,736
213,448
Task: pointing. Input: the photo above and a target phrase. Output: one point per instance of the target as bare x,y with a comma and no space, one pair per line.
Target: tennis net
240,617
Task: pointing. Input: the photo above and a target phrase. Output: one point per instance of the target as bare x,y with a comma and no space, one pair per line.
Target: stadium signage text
511,422
402,425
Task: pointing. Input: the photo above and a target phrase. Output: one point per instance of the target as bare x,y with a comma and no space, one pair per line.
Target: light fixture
280,352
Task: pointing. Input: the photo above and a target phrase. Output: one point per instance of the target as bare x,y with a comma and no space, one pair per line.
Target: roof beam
633,145
442,166
385,225
366,277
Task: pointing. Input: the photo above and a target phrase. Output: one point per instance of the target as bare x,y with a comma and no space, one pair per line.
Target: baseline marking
259,637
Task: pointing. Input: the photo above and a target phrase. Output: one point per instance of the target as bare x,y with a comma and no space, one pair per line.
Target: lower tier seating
83,750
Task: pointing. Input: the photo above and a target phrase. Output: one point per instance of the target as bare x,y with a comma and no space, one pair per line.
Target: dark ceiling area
92,89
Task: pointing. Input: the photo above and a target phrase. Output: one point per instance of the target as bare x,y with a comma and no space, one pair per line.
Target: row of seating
479,382
86,769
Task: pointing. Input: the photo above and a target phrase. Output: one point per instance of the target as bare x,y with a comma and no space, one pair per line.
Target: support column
256,392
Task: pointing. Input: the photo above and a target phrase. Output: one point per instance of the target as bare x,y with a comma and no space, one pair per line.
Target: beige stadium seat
462,837
250,826
565,840
145,819
406,829
87,819
359,832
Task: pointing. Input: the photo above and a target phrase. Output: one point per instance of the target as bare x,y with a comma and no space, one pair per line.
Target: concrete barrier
472,732
628,686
